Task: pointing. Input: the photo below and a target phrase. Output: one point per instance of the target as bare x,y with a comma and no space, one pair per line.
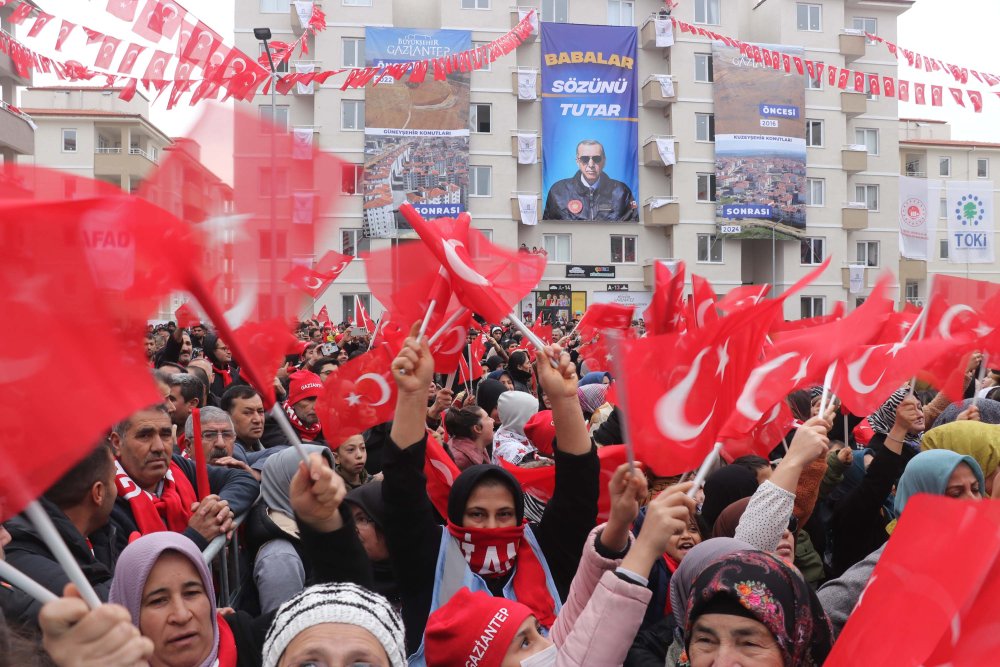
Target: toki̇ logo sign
970,210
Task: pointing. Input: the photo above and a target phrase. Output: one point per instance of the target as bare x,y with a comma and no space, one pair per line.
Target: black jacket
414,536
29,554
237,487
570,199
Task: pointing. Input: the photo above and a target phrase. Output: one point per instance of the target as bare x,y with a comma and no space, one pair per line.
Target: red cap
473,628
541,430
303,385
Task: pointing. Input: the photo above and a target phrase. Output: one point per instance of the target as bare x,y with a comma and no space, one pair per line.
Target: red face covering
490,552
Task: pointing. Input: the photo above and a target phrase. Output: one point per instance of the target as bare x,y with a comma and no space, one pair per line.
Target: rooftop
950,142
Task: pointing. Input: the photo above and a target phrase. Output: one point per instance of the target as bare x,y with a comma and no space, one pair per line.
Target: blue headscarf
929,472
595,377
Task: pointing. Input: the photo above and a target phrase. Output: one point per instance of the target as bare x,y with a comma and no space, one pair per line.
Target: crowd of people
349,562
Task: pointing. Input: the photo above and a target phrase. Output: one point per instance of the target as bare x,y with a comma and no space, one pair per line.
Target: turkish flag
593,327
762,438
309,281
357,395
123,9
832,75
889,86
467,374
41,20
64,31
956,94
904,91
786,62
703,306
918,93
361,318
742,297
449,348
667,307
958,306
186,316
976,98
440,471
797,325
156,70
937,96
128,60
324,316
766,53
202,43
873,84
158,19
897,325
390,332
909,576
543,331
798,66
107,52
842,78
22,12
859,82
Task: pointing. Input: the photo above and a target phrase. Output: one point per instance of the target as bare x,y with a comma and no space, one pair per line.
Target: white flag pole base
706,465
286,428
427,319
531,336
450,380
43,524
447,324
979,379
827,381
378,324
24,583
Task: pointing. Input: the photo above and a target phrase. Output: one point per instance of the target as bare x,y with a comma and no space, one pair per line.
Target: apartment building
16,129
853,140
91,132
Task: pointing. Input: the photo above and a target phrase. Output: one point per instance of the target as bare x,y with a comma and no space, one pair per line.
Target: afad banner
590,122
416,136
760,146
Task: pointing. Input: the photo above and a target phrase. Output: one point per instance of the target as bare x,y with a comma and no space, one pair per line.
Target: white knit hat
336,603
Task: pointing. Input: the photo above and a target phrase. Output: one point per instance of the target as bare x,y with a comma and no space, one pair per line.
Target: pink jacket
602,613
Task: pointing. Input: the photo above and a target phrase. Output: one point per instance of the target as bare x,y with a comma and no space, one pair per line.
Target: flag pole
201,465
827,381
47,531
286,427
378,324
531,336
614,337
444,327
20,580
706,465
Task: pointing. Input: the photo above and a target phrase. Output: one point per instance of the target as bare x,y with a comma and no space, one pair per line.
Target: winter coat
570,199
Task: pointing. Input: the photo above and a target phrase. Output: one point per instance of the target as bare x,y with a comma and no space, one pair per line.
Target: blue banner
590,122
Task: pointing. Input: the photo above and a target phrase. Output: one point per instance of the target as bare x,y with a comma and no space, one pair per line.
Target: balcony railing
106,150
135,150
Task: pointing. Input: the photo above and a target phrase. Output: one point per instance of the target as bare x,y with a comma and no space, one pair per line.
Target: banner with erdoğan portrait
416,135
760,146
590,122
917,220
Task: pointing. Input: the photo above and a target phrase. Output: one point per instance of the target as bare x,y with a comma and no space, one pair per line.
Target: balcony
517,14
852,44
854,158
515,208
647,33
845,278
538,81
661,212
538,144
652,91
651,154
853,103
300,23
16,132
854,216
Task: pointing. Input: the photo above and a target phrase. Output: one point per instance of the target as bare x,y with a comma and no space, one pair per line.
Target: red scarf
152,514
672,566
227,376
493,552
227,644
305,432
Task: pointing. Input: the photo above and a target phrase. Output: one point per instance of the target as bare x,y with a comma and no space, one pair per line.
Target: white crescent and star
459,332
944,326
669,409
746,404
459,266
854,373
382,385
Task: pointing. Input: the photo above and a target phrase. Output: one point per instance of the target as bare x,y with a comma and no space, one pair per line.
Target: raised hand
316,494
628,488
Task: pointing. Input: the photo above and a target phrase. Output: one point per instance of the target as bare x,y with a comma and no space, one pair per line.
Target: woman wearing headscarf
886,426
163,581
486,545
722,488
519,369
368,510
595,377
510,443
940,472
988,410
750,607
226,373
979,440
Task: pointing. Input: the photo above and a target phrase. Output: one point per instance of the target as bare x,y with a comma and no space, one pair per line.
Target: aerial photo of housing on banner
760,146
416,134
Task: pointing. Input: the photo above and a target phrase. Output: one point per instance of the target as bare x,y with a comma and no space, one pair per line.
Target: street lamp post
264,34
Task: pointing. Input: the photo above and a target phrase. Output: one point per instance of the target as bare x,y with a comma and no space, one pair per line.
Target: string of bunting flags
223,68
843,78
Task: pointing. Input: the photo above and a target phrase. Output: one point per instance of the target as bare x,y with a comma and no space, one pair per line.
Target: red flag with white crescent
358,395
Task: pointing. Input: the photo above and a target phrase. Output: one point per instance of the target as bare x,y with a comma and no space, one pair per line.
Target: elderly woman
979,440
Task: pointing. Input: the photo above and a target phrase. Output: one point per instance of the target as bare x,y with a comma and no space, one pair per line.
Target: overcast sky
963,32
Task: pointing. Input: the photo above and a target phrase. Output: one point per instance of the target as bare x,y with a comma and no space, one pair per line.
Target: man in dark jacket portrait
590,194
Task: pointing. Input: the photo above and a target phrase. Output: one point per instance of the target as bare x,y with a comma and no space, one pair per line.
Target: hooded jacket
510,443
570,199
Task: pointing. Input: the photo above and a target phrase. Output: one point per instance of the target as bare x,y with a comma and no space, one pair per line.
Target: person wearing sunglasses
590,194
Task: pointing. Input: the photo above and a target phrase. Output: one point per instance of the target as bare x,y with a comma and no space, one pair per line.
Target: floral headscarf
774,595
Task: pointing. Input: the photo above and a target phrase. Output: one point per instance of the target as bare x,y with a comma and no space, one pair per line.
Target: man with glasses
590,194
218,440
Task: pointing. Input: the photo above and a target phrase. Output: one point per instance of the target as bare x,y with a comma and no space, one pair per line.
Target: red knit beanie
303,385
541,430
474,628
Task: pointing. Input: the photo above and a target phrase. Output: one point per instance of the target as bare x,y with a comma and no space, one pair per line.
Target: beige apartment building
857,146
16,129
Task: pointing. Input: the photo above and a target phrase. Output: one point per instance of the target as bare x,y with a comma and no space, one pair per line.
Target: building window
559,247
352,115
704,126
982,167
814,133
347,306
710,248
353,242
475,4
868,89
278,176
487,66
866,24
815,192
943,245
867,194
620,12
555,11
944,166
280,247
703,68
943,208
809,17
868,253
479,117
868,136
480,181
280,66
69,140
274,6
275,115
356,3
354,52
706,187
352,178
813,250
707,12
912,290
814,83
623,249
812,306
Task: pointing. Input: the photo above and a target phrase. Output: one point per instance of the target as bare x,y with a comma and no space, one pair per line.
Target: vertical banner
970,222
917,218
590,122
416,135
760,146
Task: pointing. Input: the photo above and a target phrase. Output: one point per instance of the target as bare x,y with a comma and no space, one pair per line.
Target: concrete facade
16,130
